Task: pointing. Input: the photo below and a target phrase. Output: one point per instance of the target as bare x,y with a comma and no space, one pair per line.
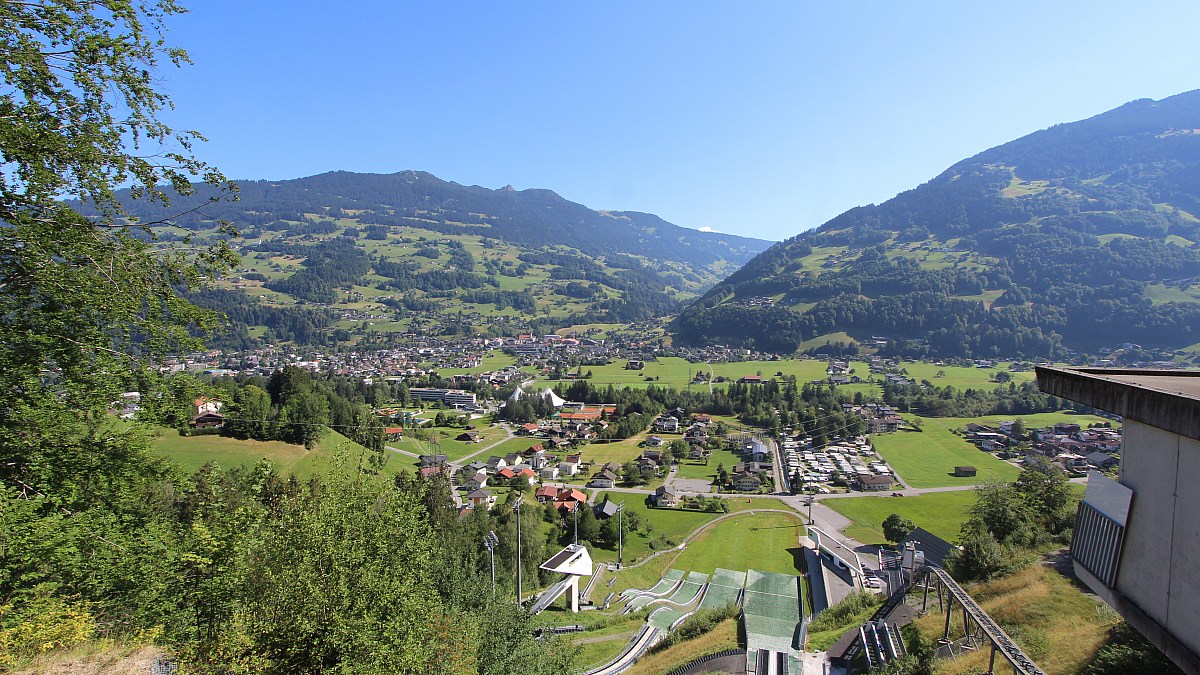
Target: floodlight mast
489,542
517,508
620,533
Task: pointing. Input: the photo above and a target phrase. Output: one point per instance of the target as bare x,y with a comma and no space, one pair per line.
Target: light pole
809,502
576,512
517,508
489,541
620,533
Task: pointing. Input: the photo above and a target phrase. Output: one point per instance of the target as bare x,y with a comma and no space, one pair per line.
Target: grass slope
767,542
1058,625
193,452
724,636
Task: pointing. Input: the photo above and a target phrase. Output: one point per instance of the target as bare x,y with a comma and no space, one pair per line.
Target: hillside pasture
193,452
963,377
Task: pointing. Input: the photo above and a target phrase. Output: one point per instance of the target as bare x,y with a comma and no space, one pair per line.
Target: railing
689,667
1001,642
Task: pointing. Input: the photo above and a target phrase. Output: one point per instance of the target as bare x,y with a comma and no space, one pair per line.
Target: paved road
508,435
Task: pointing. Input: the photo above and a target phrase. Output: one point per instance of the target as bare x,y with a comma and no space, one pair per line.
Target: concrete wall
1160,562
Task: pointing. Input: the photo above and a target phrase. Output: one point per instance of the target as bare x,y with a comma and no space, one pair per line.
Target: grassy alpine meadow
495,360
1033,421
673,524
941,513
670,371
700,469
455,449
927,458
619,451
678,372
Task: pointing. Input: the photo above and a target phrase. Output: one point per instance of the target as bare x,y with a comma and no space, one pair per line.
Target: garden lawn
927,458
941,513
698,469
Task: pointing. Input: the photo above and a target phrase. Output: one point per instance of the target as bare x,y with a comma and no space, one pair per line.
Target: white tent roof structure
554,399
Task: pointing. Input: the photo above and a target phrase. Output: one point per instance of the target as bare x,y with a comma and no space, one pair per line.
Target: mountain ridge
1037,247
344,256
394,199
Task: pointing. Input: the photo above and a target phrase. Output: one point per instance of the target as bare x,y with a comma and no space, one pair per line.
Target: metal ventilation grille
1096,543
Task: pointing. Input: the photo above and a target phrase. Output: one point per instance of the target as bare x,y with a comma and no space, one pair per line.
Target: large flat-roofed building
456,398
1137,539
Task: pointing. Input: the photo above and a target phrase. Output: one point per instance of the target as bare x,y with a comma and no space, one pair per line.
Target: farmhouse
476,482
481,498
603,479
666,496
746,482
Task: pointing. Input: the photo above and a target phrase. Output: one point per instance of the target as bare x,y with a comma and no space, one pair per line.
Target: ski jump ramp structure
575,562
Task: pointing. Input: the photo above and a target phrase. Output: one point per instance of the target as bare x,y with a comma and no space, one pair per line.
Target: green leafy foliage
840,615
699,623
896,528
1126,651
1008,520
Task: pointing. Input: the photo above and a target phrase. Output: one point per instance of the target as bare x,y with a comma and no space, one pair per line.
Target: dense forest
1065,228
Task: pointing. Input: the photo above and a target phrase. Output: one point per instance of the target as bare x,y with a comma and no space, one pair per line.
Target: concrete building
1137,539
455,398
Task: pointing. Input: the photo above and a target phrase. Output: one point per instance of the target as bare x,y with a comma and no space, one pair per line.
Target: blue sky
763,119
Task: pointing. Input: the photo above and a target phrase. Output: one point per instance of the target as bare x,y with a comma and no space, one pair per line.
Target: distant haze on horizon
762,120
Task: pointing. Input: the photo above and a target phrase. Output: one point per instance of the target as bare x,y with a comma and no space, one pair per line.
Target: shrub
703,621
840,614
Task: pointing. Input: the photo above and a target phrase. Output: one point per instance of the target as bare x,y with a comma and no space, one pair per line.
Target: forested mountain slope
1078,237
411,252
